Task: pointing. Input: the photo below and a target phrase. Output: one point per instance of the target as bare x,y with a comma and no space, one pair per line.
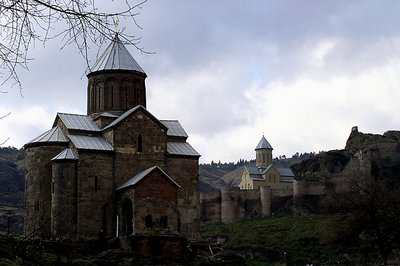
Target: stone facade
117,171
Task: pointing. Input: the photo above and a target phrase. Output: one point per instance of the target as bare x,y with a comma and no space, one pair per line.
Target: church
264,173
116,171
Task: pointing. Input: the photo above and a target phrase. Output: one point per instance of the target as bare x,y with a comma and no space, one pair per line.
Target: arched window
95,184
164,222
139,143
148,221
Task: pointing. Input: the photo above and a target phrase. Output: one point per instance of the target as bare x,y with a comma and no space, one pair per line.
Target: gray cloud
220,68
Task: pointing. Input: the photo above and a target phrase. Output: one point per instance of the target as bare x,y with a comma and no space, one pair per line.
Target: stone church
264,173
117,171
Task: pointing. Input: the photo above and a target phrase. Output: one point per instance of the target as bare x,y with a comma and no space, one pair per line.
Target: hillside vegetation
291,239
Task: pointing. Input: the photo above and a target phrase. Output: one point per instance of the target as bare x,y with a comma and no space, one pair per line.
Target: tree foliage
26,22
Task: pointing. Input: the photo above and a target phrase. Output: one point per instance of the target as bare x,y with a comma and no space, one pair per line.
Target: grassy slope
301,237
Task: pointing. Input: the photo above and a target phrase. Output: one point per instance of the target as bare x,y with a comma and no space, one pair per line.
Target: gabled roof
134,180
90,143
174,128
254,173
53,135
263,144
116,57
66,154
263,170
106,114
131,111
285,172
78,122
181,148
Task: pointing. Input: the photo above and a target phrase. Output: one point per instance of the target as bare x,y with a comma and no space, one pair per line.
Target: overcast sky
301,72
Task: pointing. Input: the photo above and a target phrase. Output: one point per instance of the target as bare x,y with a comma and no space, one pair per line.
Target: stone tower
263,154
116,83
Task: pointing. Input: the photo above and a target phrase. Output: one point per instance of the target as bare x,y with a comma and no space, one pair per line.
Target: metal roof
122,117
134,180
78,122
174,128
66,154
285,172
263,144
90,143
129,112
53,135
181,148
116,57
107,114
253,170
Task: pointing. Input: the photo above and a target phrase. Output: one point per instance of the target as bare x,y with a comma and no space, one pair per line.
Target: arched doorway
127,217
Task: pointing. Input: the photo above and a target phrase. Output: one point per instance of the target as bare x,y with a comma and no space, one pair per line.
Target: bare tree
79,22
369,215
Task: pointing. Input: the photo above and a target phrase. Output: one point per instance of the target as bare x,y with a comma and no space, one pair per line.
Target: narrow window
95,184
126,96
112,96
148,221
139,143
164,222
52,187
98,97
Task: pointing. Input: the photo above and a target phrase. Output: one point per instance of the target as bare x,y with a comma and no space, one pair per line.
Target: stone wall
95,194
64,194
185,171
38,178
233,205
149,207
131,159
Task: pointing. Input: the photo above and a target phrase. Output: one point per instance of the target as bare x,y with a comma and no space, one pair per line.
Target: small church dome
263,144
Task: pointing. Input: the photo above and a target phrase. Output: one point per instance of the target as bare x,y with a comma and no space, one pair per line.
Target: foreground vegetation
284,239
289,239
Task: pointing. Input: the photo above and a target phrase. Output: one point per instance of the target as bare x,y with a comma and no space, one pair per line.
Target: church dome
116,57
263,144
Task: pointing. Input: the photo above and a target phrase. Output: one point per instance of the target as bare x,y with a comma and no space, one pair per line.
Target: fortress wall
211,207
252,203
266,201
304,187
281,192
233,205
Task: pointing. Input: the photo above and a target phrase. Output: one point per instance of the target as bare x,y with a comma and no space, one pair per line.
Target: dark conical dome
263,144
116,57
116,83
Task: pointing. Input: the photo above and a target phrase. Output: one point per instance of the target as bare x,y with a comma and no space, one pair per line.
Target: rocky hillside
383,149
11,191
